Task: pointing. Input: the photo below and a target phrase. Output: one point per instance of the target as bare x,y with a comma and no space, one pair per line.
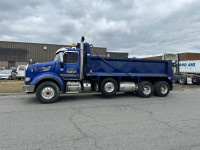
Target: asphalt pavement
92,122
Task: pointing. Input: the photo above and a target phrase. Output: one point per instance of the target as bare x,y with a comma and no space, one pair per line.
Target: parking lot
90,121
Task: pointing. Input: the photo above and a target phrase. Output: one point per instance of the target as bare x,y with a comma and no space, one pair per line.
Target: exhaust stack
81,57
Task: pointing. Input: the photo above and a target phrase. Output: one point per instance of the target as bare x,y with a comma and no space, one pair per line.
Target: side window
70,57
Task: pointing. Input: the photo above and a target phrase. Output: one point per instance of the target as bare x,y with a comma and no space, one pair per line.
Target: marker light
73,44
27,79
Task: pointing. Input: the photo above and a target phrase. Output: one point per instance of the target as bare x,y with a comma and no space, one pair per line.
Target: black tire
46,89
161,88
108,87
19,78
196,81
145,89
182,80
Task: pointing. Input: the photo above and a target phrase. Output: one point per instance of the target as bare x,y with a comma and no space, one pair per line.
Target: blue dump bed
105,66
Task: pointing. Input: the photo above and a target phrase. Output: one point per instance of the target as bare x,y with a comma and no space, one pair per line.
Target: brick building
117,54
182,56
19,53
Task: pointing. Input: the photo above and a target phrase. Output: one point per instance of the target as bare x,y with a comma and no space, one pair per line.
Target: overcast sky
140,27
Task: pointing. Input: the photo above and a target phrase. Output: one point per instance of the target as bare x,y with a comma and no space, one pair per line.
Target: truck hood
36,69
43,64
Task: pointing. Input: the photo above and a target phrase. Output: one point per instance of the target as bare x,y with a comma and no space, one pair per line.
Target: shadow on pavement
95,96
82,97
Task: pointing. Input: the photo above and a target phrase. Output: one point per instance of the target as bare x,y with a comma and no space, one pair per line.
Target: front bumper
29,88
4,78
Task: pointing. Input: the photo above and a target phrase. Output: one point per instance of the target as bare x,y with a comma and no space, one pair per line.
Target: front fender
50,76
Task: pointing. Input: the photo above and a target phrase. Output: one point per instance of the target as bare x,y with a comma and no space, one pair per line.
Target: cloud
139,27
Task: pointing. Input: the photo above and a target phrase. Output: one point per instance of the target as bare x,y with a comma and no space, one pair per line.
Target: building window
11,64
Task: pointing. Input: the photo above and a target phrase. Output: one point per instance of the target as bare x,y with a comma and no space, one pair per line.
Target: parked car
20,72
13,69
7,74
2,68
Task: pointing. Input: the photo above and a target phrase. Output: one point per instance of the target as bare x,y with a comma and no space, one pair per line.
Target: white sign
191,66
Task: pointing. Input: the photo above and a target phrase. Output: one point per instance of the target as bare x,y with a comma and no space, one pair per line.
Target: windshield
56,58
6,71
21,67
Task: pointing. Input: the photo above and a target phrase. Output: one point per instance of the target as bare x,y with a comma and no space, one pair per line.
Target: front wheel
161,88
47,92
145,89
109,87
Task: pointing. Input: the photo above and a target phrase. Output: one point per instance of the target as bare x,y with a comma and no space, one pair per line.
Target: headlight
27,79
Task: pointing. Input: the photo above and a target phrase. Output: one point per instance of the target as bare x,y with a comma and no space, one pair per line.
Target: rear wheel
182,80
161,88
47,92
145,89
196,81
109,87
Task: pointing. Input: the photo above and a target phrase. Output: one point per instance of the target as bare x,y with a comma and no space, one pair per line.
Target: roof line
33,43
42,43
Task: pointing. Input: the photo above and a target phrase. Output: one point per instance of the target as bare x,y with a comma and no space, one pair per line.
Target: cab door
70,68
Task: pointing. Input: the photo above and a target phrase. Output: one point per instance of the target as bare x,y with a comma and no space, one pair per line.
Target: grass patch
11,86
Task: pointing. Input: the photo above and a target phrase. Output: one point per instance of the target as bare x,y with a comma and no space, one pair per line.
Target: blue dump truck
74,70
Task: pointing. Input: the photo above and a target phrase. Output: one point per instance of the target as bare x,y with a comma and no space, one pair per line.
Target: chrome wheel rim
194,80
48,93
181,80
109,87
146,89
163,89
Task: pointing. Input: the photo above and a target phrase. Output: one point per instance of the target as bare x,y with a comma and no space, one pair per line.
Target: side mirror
61,57
30,62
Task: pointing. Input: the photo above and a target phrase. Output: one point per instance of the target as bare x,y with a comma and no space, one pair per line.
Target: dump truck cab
69,63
